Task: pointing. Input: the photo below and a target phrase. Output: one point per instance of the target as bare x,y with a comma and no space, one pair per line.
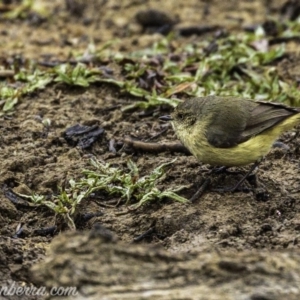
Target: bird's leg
234,188
254,166
206,182
204,185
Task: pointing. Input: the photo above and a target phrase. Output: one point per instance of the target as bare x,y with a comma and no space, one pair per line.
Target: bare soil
32,161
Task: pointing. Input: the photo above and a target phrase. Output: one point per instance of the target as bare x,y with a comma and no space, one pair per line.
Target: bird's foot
259,190
249,176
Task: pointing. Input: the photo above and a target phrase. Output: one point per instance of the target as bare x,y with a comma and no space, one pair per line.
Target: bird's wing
226,127
228,130
264,116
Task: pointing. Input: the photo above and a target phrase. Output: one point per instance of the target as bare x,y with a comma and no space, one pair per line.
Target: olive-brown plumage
231,131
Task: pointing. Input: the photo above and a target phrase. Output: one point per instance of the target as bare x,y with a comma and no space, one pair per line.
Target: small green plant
238,65
34,79
29,83
132,189
9,97
80,75
25,8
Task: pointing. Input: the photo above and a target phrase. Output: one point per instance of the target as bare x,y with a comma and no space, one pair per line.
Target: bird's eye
180,116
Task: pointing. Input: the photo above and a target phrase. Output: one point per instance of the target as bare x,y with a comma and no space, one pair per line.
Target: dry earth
237,226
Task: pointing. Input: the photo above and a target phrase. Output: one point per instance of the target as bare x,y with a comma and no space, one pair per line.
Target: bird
231,131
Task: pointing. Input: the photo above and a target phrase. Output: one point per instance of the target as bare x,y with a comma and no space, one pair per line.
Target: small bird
231,131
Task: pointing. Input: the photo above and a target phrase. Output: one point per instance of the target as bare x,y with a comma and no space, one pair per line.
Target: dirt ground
30,162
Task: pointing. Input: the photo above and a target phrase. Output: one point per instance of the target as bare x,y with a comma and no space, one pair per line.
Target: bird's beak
166,118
